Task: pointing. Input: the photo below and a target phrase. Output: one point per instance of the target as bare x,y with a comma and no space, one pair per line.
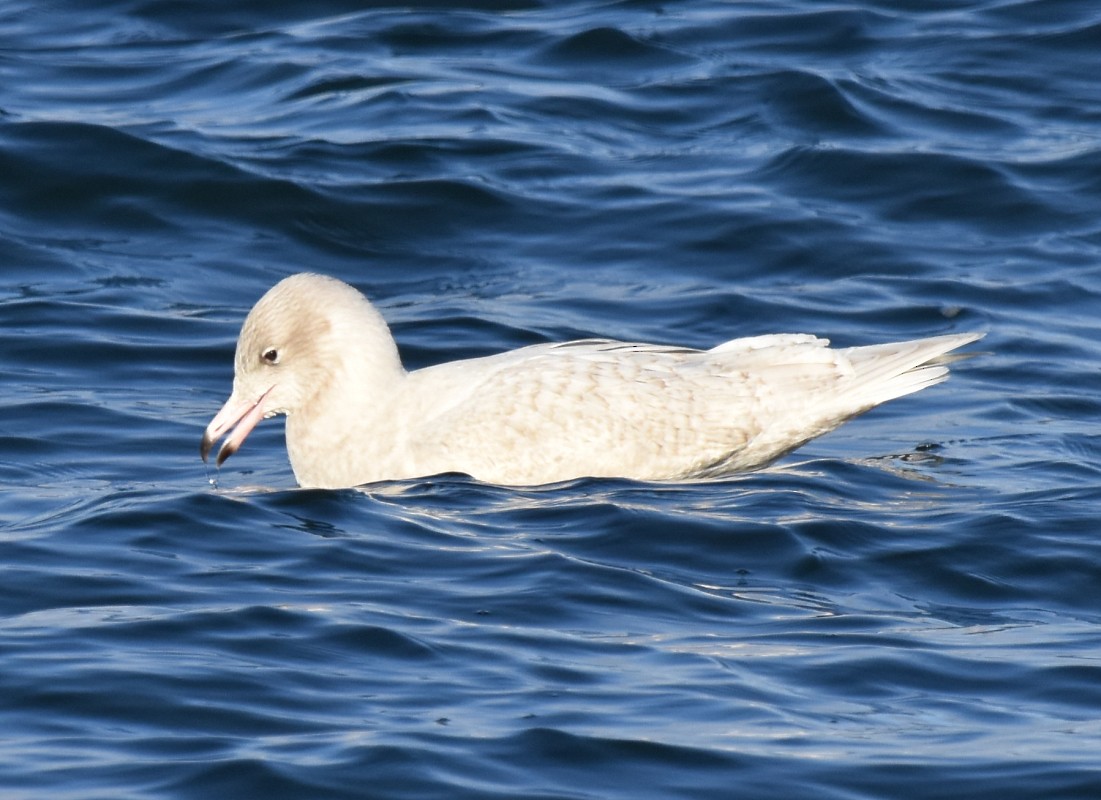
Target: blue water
909,607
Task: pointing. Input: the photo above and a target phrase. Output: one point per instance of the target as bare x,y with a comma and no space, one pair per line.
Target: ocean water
909,607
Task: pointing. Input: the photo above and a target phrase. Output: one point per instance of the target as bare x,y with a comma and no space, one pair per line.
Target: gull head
307,333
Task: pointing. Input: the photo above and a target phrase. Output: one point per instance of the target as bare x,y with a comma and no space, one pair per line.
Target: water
906,608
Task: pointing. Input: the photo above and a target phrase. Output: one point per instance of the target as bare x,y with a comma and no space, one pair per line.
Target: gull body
315,349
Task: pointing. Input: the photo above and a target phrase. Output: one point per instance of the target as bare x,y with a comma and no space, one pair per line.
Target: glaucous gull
315,349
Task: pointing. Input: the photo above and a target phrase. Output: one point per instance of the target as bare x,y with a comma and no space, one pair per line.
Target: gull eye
271,355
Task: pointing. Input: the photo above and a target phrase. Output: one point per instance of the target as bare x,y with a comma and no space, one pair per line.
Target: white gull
315,349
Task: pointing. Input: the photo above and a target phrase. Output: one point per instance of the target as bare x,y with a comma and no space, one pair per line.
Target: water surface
905,608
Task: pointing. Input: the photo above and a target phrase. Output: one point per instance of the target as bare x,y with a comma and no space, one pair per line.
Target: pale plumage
315,349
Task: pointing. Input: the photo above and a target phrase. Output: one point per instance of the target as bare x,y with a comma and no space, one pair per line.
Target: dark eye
271,355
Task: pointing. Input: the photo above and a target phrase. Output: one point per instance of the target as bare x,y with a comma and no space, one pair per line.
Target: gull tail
883,372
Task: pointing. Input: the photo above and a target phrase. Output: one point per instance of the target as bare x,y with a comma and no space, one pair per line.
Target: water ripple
903,608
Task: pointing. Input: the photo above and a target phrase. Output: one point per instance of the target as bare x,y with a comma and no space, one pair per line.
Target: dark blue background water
909,607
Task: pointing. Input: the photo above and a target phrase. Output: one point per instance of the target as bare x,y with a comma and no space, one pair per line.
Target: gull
315,349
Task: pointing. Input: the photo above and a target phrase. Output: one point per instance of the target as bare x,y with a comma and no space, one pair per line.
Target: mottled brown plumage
315,349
